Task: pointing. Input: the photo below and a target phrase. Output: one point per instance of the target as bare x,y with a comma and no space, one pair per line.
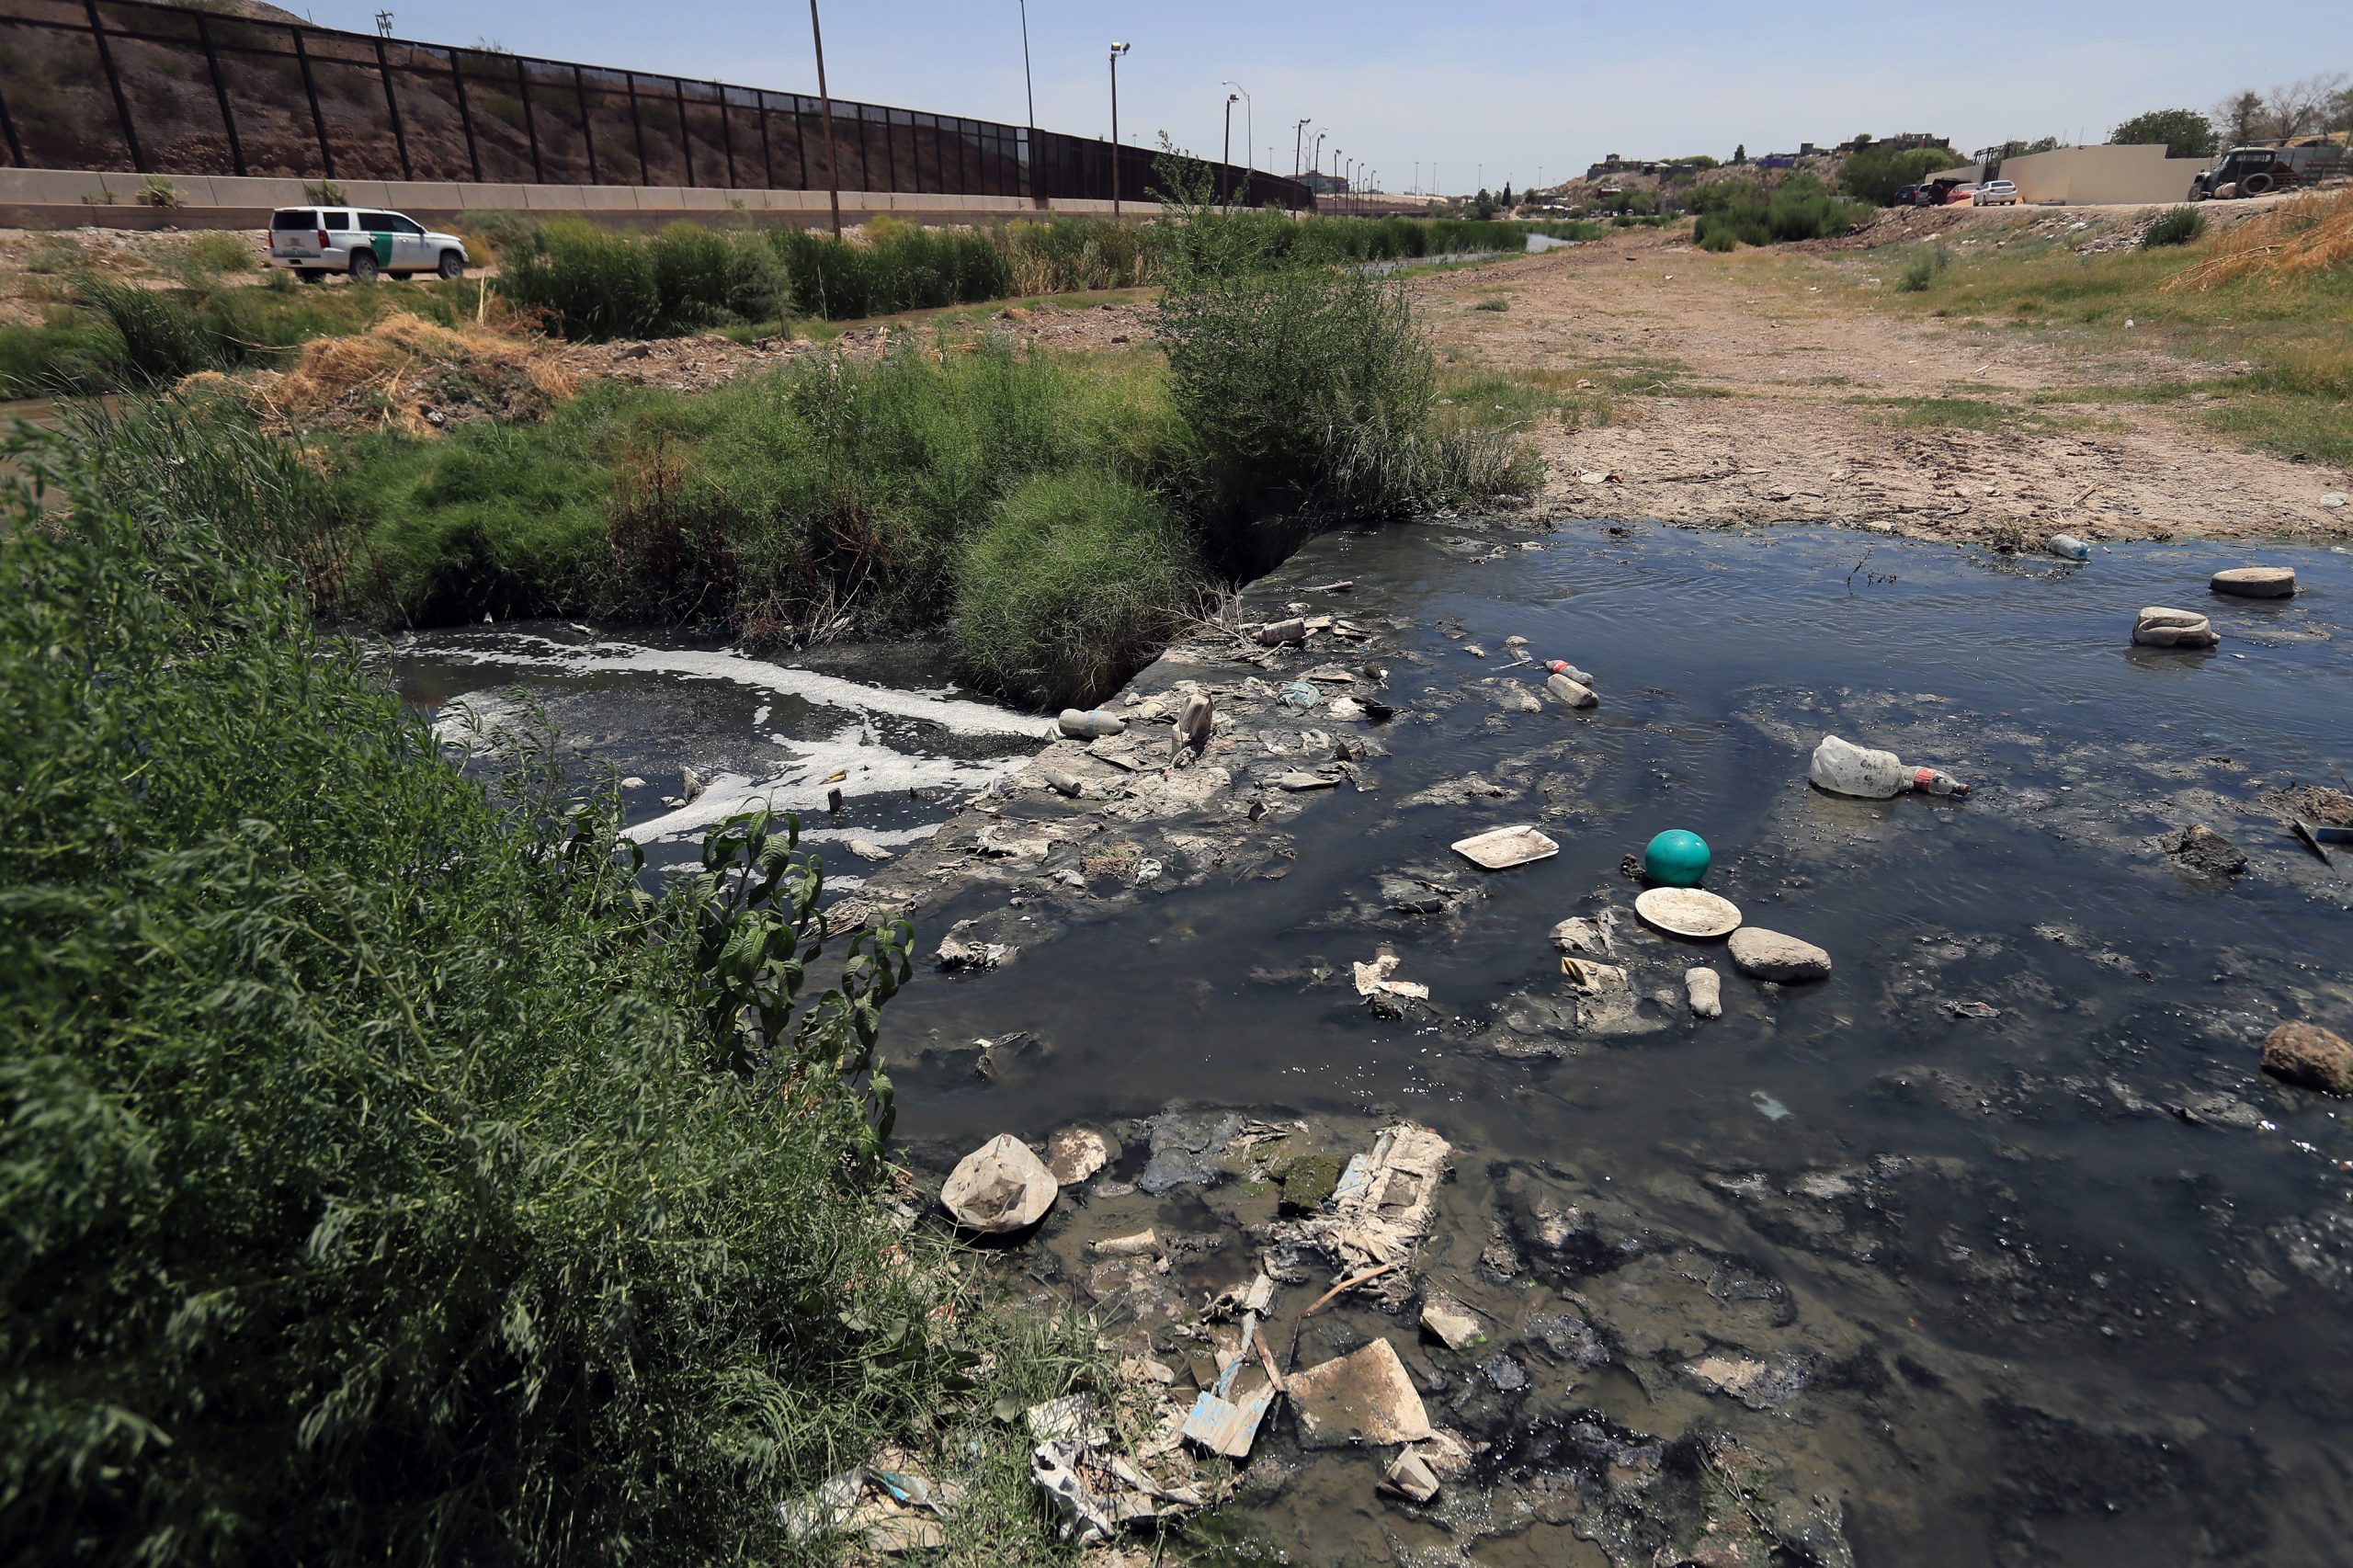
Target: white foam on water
801,785
833,691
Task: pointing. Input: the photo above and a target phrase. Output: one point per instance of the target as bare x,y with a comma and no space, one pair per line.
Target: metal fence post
391,106
768,158
311,90
637,127
114,81
465,114
686,137
530,120
220,93
726,132
588,137
7,125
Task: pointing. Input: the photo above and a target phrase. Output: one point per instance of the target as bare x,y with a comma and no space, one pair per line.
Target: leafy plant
155,190
1923,270
324,192
2185,133
2177,226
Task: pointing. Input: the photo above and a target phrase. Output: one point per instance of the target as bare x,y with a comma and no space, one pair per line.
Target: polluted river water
1994,1246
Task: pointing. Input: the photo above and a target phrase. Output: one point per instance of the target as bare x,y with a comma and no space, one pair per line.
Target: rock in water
1705,988
1769,955
2310,1057
2255,582
999,1187
2200,848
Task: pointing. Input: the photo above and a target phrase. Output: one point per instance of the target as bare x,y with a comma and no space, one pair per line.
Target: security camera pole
1118,49
833,164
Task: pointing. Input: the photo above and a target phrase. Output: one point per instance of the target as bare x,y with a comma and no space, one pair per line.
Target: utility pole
1118,49
1230,98
824,97
1249,121
1298,145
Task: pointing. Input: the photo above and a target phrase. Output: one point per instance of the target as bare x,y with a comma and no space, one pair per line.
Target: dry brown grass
409,374
2296,239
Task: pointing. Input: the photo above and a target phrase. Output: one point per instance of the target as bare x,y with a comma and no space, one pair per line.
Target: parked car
1996,193
315,241
1906,195
2256,171
1935,192
1961,195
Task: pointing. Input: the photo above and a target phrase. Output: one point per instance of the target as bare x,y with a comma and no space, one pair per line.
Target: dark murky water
2067,1284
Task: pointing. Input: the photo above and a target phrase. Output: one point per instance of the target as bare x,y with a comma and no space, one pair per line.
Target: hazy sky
1471,87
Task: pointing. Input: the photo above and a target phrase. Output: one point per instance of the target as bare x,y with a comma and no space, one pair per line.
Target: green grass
385,1176
2297,335
1524,399
1969,413
1750,213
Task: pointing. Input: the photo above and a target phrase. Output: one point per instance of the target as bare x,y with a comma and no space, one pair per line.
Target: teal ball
1676,858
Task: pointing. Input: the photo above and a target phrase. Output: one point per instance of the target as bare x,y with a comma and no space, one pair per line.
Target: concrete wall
68,198
2102,176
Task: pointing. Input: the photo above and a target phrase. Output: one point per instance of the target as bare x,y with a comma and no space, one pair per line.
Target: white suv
315,240
1997,193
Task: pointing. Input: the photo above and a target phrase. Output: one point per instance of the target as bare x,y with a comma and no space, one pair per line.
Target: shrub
1921,271
71,352
1798,207
1074,585
384,1178
324,192
200,260
2178,226
1876,173
162,338
155,190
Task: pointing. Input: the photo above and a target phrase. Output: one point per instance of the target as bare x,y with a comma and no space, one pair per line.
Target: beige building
2103,176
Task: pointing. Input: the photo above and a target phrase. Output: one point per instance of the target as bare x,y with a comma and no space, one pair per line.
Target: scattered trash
1275,633
2255,582
1474,650
2316,835
1074,1418
1076,1153
1766,1106
2200,848
1769,955
2068,547
690,785
1452,1323
1143,1243
887,1501
1362,1397
1081,725
1340,587
1195,722
1704,989
1514,642
867,849
999,1187
2307,1055
1970,1009
959,952
1677,858
1221,1423
1377,711
1410,1476
1063,783
1299,694
1098,1494
1688,912
1570,693
1501,848
1843,768
1385,1201
1374,985
1563,668
2157,626
2335,498
1346,707
1578,935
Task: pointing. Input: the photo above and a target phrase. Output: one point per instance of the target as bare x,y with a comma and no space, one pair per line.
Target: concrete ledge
53,199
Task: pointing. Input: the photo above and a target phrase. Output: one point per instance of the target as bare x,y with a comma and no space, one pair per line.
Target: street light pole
1297,146
1118,49
1249,121
1028,81
833,161
1229,129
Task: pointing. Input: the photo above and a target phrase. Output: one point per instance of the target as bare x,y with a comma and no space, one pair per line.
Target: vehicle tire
452,264
2256,184
363,267
2196,193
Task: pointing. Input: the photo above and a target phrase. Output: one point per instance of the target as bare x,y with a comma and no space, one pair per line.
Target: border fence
123,84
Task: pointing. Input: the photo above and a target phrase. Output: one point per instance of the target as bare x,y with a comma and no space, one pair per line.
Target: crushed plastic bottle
2068,547
1844,769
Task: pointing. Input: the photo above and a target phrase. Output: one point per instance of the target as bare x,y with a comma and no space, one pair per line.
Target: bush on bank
1745,212
385,1177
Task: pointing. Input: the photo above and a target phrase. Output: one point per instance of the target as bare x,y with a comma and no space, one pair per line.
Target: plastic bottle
1563,668
1846,770
2069,547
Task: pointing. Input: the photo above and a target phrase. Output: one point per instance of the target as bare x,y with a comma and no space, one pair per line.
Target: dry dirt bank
1753,388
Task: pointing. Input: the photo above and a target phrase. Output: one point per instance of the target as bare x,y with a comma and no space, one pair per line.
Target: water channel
2039,1266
